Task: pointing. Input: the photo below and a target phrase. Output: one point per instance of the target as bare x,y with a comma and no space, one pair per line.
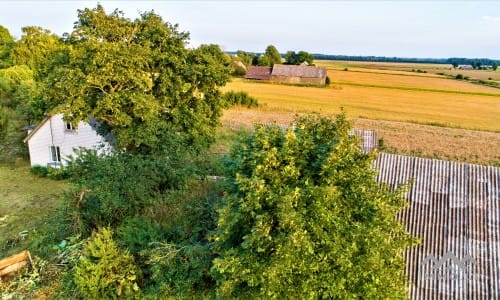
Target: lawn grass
412,104
26,203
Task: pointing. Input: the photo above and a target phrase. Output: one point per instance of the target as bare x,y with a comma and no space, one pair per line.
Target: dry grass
407,138
448,109
406,68
403,80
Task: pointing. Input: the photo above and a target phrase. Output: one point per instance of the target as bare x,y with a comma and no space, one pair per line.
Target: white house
53,140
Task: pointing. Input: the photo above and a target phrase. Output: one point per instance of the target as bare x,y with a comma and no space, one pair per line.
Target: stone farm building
258,73
296,74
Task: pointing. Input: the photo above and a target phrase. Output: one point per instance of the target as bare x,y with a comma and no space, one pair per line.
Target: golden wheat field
400,105
432,70
447,109
412,81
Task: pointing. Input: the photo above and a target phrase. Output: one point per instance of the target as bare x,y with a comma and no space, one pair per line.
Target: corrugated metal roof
454,208
298,71
260,73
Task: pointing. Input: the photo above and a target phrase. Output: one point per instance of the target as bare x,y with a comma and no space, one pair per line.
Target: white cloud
491,19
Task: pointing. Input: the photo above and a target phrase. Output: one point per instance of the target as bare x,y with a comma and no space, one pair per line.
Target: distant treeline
451,60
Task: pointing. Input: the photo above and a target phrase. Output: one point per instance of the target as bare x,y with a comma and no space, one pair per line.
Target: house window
55,154
69,126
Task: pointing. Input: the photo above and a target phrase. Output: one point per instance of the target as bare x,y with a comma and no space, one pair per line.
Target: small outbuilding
54,139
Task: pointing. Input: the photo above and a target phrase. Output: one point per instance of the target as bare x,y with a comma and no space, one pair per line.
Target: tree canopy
293,58
137,78
6,44
303,217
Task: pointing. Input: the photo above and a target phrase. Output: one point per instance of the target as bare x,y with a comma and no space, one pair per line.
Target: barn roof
261,73
454,208
298,71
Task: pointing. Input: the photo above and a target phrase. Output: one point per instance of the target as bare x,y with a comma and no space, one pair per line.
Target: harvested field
400,137
447,109
405,80
408,68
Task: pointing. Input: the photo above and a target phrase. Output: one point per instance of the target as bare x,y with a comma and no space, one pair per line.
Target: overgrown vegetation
240,98
294,214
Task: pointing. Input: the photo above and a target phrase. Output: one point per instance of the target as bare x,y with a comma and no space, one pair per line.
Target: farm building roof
298,71
260,73
454,208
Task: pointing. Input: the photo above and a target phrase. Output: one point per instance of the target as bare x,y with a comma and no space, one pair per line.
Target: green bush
40,170
137,233
327,81
303,217
240,98
105,271
459,76
61,173
238,71
4,124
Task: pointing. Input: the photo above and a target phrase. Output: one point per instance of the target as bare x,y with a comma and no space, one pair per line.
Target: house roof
261,73
28,137
454,208
298,71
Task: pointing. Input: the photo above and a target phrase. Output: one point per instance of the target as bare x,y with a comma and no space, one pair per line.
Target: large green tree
35,45
292,58
304,218
6,44
271,56
137,78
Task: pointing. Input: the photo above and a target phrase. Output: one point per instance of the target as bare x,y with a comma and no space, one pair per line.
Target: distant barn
300,74
258,73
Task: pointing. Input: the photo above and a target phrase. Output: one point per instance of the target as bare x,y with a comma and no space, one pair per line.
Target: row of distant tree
272,56
455,61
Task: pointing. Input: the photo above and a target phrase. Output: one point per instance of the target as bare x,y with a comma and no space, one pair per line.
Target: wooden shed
300,74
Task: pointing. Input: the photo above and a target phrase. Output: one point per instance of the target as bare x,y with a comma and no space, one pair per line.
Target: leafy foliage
6,44
4,124
292,58
240,98
138,79
304,217
105,271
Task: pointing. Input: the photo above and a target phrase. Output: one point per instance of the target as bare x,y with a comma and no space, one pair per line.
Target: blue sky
384,28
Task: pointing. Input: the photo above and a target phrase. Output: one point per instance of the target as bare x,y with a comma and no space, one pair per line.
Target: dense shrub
240,98
303,217
4,123
105,271
137,233
459,76
327,81
61,173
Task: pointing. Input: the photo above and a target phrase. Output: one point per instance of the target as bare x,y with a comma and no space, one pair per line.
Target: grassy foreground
26,202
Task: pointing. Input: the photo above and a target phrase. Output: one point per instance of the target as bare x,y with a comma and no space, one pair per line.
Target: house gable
52,139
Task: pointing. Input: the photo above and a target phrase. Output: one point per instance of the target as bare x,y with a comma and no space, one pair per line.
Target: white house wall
54,133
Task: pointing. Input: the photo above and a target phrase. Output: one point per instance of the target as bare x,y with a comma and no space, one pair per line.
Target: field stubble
406,138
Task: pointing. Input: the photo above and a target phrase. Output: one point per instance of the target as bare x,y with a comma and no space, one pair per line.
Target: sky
425,29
